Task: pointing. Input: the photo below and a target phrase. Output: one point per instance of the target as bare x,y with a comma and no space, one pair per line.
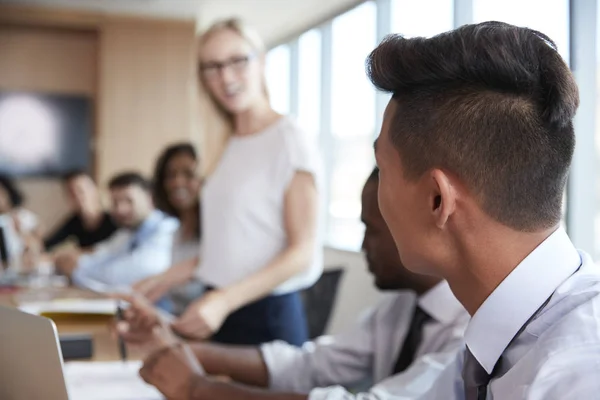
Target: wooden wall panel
145,102
49,60
139,71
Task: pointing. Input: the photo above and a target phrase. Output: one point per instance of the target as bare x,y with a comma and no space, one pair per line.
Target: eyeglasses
212,70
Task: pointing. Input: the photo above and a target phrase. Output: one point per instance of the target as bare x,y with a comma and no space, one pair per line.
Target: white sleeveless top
243,205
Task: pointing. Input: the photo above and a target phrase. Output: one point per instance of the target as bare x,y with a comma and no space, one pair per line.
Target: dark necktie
133,245
412,341
475,378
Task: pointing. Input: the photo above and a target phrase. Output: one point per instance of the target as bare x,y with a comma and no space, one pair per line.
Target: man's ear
442,198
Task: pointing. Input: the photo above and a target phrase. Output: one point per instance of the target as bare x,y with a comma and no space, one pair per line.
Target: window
597,137
278,78
309,82
422,18
351,109
352,124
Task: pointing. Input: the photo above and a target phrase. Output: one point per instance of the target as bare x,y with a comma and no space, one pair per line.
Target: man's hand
142,326
65,261
169,371
32,252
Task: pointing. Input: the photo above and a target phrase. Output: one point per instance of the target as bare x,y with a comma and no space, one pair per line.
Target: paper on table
108,381
71,306
102,288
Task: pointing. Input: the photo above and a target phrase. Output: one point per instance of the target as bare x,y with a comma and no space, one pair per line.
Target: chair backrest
3,250
319,300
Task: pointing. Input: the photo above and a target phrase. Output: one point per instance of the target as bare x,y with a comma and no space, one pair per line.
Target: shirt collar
440,304
519,296
148,226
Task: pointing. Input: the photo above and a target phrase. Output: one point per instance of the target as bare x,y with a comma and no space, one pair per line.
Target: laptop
31,364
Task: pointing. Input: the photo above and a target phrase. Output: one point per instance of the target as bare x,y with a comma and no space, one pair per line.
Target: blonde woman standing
259,205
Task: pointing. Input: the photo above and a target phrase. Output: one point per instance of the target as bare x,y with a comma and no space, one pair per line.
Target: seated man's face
82,193
131,205
381,251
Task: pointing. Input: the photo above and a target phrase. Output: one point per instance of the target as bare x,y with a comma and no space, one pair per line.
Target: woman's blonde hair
217,123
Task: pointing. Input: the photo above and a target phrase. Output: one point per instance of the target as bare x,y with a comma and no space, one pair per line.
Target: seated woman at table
88,224
176,192
19,227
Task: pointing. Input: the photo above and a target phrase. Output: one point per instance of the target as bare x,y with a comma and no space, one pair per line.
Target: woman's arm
155,287
208,313
300,215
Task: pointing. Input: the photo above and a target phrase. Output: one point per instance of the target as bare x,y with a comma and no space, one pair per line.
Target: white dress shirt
130,256
369,351
557,356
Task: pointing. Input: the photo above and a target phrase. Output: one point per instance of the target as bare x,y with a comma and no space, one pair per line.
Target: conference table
105,346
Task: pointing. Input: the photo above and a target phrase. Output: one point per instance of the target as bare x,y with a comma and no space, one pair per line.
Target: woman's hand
204,317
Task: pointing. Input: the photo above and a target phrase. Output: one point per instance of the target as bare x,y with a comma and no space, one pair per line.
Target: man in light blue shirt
474,154
139,249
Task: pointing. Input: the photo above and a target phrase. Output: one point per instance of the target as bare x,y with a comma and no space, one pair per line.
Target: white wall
357,291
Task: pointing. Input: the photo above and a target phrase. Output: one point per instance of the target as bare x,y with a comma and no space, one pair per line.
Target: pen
122,348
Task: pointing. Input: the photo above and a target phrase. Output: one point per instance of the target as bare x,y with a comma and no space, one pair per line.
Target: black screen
43,134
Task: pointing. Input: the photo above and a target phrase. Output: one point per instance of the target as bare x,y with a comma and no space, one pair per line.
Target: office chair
319,300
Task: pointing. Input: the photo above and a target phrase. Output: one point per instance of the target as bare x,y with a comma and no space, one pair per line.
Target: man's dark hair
159,192
129,179
492,103
374,175
14,194
72,174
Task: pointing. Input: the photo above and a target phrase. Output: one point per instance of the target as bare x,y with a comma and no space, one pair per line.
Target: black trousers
277,317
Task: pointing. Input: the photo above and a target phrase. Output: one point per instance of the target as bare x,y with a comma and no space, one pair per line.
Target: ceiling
181,9
275,19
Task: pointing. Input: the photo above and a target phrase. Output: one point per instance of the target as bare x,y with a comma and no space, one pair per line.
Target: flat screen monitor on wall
44,135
